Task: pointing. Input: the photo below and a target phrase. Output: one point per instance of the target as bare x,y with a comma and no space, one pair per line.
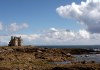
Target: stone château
15,41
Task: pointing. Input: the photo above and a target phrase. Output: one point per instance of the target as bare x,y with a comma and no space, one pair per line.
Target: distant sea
71,46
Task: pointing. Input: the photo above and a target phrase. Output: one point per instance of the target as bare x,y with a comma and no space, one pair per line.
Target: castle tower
15,41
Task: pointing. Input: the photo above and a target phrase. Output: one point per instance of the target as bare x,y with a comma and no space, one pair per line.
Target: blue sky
39,14
36,19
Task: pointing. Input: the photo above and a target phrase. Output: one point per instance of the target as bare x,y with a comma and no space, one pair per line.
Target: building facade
15,41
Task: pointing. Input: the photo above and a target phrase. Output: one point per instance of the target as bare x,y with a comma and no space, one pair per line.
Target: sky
50,22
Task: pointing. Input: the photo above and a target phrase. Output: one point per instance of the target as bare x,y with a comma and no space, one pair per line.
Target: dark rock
3,68
1,58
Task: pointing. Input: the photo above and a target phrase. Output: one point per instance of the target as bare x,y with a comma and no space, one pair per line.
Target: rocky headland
35,58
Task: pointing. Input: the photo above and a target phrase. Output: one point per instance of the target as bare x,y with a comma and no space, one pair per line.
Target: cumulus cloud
55,36
65,37
87,13
15,27
4,40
